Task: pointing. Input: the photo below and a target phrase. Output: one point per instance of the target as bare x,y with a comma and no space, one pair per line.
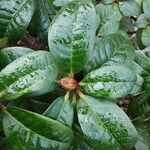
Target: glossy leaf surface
107,49
109,18
110,27
108,1
9,54
42,18
61,2
109,81
142,21
146,36
71,35
108,12
137,89
105,124
143,63
15,16
29,130
33,73
146,7
61,110
129,8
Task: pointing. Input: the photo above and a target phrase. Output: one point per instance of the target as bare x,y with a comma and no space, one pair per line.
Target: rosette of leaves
87,116
110,13
143,24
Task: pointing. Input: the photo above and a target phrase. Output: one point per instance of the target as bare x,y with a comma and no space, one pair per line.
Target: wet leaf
112,48
130,8
141,21
109,81
15,17
34,74
146,8
9,54
105,124
146,36
29,130
71,35
61,110
42,18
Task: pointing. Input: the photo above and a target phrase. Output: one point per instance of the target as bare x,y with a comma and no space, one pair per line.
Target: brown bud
68,83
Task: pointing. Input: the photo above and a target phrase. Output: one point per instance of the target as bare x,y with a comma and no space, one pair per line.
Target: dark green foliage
66,99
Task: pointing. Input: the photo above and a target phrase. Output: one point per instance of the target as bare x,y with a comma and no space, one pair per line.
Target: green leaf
15,17
9,54
109,81
146,86
139,106
146,8
137,89
5,145
61,2
71,35
61,110
141,21
110,27
143,134
1,125
108,13
79,143
139,39
108,1
105,124
147,51
130,8
127,24
42,18
29,130
38,106
146,36
107,49
3,42
143,63
123,33
33,73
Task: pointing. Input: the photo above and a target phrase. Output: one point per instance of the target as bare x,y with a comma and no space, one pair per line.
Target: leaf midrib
72,39
102,122
16,13
7,87
115,52
7,113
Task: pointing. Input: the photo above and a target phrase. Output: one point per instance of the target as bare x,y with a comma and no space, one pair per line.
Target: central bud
68,83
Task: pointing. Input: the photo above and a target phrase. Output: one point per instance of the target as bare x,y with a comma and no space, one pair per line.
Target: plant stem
74,99
80,93
2,107
67,95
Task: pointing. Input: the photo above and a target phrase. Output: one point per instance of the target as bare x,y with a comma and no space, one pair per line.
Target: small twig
67,95
147,119
74,99
2,107
80,93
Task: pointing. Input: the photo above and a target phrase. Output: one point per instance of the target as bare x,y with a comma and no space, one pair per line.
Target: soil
31,42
